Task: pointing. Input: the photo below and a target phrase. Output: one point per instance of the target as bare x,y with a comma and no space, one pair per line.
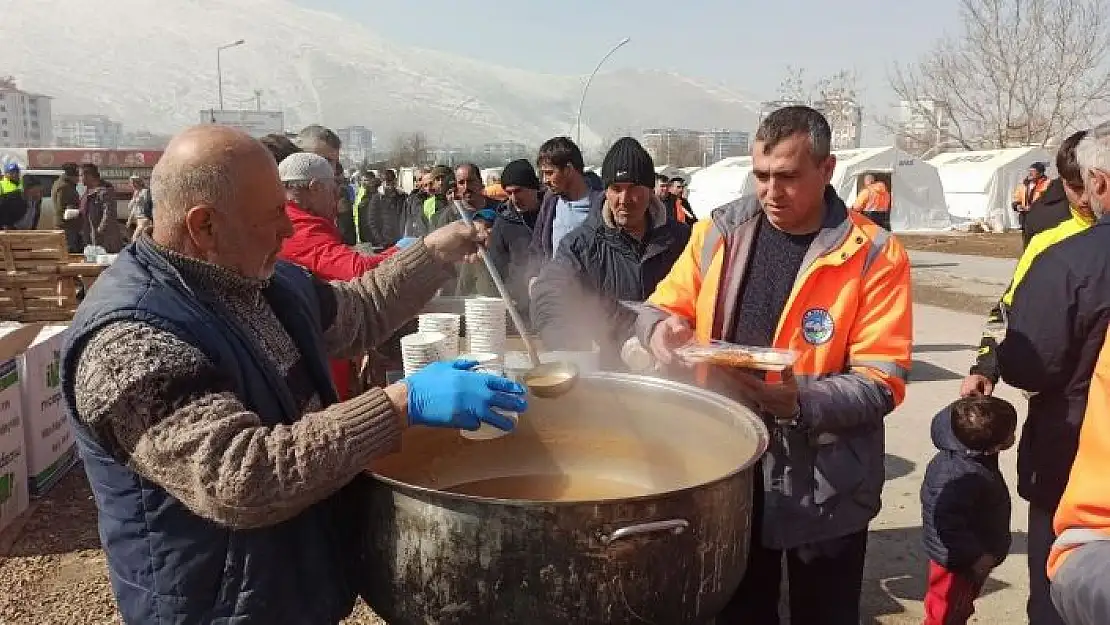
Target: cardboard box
51,450
14,339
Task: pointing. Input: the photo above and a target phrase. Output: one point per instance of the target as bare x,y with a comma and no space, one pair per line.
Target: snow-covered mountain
152,65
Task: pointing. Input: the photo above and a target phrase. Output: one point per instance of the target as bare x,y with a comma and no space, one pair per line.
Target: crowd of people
213,382
84,206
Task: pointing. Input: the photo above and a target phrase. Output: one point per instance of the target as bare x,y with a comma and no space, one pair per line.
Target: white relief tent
979,186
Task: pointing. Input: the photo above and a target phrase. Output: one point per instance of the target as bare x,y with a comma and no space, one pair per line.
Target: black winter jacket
575,301
965,505
672,213
508,248
1057,325
413,222
383,217
1049,211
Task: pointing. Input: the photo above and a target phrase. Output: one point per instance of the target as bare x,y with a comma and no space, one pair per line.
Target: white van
46,207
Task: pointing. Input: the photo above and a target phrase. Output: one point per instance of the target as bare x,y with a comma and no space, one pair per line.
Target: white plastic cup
488,432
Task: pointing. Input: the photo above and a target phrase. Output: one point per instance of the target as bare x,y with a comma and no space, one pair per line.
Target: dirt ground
1007,245
945,296
53,571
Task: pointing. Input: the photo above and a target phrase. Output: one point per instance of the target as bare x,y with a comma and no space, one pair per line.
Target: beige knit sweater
159,405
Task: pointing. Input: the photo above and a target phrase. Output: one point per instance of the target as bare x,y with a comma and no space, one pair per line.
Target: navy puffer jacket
965,504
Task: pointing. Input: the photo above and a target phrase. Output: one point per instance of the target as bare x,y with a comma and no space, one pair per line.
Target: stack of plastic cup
486,323
421,349
449,325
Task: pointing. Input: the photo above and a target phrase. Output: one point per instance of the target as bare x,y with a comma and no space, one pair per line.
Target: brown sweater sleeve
370,308
158,404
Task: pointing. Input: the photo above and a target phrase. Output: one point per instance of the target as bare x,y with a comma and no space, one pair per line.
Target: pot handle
674,526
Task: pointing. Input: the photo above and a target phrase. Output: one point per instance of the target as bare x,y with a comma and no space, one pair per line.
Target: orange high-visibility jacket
1083,515
854,286
1024,199
874,198
849,316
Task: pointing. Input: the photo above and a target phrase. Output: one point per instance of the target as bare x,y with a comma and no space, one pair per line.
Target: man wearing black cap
512,231
1031,189
619,253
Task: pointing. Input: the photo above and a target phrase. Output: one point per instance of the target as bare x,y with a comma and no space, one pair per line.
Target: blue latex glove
487,215
448,394
405,242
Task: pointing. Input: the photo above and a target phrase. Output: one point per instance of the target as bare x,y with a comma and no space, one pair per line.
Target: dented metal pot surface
627,500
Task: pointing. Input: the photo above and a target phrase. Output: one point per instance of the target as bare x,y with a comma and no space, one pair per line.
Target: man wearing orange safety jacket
1079,564
796,269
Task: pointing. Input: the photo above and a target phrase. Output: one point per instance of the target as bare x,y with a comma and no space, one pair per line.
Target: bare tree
836,96
793,87
596,154
1021,72
409,149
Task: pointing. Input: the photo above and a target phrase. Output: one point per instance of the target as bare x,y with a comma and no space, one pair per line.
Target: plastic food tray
726,354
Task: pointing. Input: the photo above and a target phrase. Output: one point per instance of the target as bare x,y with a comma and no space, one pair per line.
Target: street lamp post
582,102
219,68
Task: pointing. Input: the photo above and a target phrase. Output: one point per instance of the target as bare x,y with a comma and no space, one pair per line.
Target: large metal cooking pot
627,500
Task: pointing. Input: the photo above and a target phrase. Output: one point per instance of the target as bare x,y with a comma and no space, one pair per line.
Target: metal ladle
543,379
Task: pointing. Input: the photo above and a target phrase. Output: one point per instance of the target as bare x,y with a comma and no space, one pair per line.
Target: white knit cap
305,166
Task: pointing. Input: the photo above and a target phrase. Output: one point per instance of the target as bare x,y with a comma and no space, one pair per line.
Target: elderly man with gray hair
1057,326
225,470
311,201
324,142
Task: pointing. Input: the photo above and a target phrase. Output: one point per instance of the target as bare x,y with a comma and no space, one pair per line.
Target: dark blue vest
167,564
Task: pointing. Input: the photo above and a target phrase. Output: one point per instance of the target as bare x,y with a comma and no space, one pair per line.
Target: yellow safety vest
358,200
7,186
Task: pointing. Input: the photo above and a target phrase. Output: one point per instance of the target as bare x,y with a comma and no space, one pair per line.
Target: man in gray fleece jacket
206,419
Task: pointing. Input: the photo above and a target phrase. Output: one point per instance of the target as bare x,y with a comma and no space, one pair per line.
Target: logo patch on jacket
817,326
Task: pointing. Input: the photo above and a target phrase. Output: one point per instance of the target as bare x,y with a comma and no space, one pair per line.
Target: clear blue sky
745,42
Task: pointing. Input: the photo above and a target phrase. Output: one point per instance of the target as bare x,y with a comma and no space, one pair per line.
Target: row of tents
950,190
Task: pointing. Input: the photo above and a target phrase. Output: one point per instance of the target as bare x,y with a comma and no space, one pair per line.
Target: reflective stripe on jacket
1083,515
849,316
1078,223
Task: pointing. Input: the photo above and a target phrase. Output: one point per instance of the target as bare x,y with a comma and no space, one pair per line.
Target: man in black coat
1049,211
619,254
385,212
512,231
1057,326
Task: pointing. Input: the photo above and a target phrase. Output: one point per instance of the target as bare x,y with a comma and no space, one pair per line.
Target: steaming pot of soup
627,500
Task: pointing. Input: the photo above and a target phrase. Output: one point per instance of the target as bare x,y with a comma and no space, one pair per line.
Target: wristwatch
791,421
